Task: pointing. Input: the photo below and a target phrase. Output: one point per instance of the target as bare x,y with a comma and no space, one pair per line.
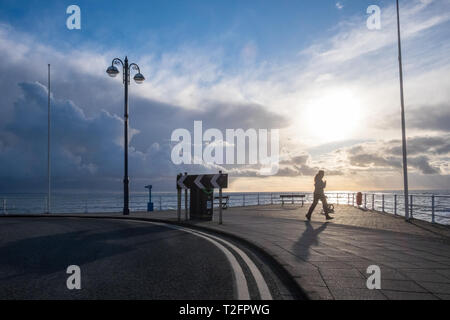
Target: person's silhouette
319,194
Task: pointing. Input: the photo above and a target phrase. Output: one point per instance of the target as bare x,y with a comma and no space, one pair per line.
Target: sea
427,205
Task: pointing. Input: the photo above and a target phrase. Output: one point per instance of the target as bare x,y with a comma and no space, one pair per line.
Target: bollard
432,209
149,203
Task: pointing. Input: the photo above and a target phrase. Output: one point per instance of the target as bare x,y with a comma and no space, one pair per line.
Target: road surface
122,259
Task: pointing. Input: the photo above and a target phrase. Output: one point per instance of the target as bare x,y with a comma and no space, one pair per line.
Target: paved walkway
329,259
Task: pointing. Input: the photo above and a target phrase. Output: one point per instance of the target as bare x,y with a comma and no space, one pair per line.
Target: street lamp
112,71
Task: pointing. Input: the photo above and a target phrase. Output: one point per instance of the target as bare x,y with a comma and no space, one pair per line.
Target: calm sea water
422,202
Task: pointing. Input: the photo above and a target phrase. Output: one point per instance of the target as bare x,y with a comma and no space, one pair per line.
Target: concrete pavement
329,259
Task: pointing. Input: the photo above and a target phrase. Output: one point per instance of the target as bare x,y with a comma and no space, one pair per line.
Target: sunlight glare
334,116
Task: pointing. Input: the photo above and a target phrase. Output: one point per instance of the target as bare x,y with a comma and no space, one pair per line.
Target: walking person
319,194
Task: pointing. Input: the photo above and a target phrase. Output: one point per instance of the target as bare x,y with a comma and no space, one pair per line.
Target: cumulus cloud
86,148
387,155
190,83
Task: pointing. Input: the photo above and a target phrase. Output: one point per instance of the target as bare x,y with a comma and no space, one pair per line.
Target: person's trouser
318,197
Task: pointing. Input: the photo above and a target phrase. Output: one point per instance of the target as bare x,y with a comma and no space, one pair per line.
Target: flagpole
405,162
48,146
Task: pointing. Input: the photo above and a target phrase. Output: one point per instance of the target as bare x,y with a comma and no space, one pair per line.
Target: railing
428,207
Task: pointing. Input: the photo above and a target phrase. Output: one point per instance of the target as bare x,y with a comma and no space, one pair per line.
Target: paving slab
329,259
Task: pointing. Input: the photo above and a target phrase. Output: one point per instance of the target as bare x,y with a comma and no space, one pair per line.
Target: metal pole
220,205
4,206
258,198
271,198
337,198
186,201
160,203
411,204
382,203
126,181
365,200
405,163
243,200
353,199
373,201
179,204
432,209
48,145
395,204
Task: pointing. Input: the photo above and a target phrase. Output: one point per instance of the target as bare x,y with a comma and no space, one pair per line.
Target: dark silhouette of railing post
432,209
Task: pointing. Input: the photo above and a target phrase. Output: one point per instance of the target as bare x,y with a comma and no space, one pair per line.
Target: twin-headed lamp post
139,78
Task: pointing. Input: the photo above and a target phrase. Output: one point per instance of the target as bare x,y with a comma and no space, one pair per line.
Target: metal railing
428,207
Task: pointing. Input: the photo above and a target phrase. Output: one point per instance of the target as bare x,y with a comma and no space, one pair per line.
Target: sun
334,116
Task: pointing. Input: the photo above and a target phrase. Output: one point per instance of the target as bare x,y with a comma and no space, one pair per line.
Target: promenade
329,259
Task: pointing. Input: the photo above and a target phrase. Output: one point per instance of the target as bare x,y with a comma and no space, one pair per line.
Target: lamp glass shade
112,71
139,78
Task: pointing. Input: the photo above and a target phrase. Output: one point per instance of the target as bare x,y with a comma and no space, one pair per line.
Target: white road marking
260,281
241,281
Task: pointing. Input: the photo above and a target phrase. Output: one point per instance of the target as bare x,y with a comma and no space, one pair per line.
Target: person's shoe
329,217
308,217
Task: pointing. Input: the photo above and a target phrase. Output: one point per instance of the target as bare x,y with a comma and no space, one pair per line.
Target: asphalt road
119,259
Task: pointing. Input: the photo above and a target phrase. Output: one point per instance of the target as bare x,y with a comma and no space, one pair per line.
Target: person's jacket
319,185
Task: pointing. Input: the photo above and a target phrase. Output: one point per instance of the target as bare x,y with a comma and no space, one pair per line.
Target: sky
311,69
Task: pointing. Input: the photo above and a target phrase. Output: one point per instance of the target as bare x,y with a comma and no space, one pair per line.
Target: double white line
239,276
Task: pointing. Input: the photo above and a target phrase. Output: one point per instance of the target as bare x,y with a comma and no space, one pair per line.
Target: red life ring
359,198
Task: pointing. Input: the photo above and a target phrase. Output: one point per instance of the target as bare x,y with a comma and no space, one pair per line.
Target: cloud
191,83
86,148
387,155
339,5
423,164
436,118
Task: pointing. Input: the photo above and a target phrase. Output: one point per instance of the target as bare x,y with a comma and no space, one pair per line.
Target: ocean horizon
112,201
